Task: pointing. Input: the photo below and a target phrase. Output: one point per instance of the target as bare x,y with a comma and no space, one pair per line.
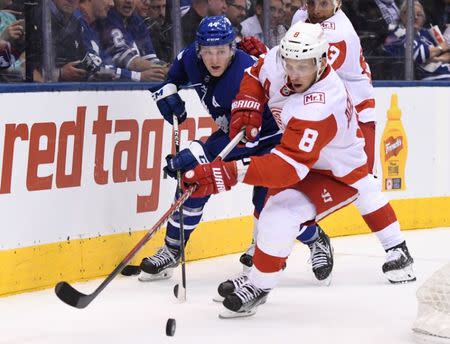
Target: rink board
81,180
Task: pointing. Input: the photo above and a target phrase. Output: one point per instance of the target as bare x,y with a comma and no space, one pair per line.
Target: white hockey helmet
336,3
305,41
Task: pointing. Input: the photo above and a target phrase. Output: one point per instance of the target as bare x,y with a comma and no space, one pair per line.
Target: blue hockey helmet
215,30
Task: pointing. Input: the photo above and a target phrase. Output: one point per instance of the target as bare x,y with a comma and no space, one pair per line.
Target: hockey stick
180,291
74,298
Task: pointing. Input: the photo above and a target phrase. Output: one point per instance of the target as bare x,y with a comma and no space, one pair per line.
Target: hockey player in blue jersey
214,67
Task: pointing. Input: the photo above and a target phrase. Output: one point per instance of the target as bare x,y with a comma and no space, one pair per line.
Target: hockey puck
131,270
171,326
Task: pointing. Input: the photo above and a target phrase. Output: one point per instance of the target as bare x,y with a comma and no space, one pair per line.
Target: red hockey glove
246,112
211,178
252,46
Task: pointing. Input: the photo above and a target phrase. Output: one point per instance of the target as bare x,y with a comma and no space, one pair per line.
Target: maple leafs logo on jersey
222,123
215,102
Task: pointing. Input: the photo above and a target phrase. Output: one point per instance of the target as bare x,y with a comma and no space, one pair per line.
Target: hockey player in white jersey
320,133
346,57
266,82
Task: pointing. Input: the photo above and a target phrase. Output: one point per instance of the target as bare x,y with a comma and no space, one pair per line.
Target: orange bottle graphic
393,149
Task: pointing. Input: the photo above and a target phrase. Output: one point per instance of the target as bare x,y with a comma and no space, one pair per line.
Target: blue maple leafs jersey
216,94
126,38
92,44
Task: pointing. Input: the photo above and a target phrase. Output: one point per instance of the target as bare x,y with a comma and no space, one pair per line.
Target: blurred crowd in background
132,40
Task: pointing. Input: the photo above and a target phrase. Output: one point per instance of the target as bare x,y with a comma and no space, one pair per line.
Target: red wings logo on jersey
266,87
315,97
276,113
349,109
286,91
337,54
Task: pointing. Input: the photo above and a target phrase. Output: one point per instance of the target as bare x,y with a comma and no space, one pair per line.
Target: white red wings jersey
321,133
346,57
269,73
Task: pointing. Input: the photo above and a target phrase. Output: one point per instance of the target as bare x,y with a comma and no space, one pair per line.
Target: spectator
126,39
289,8
252,26
193,17
446,21
67,42
437,12
142,7
6,17
300,12
432,61
184,6
390,12
236,13
217,7
12,32
160,29
5,55
90,15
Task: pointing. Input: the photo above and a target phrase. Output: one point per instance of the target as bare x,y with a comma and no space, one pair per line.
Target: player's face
101,8
125,7
320,10
216,58
301,73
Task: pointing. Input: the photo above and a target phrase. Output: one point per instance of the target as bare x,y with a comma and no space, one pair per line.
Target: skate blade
227,314
218,298
404,275
423,337
146,277
325,282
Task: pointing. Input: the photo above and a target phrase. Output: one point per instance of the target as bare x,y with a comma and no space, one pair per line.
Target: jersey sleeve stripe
365,104
301,169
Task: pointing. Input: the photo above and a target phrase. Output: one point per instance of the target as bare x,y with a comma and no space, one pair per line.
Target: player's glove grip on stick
217,176
186,159
246,111
170,103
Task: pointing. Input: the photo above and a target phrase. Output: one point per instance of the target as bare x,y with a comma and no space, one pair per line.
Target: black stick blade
71,296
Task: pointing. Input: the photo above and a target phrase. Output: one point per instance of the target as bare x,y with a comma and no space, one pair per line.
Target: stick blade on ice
71,296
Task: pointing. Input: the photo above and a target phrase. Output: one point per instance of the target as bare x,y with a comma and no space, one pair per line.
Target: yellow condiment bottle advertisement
393,149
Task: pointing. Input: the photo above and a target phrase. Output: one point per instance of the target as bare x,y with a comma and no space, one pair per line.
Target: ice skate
230,286
322,257
243,302
159,266
399,265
